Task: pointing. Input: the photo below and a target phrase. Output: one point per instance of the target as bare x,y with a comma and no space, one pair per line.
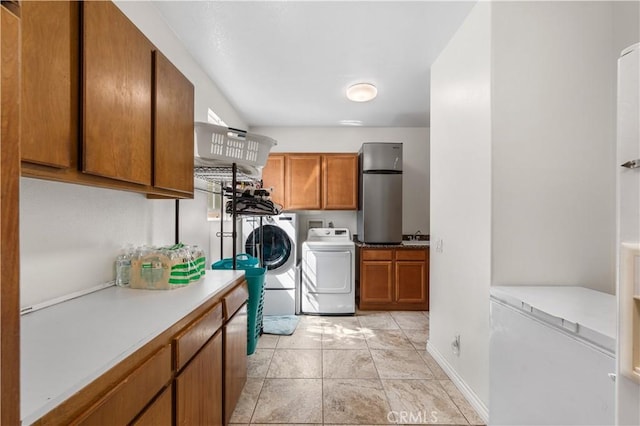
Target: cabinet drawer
123,403
235,299
375,254
190,340
411,254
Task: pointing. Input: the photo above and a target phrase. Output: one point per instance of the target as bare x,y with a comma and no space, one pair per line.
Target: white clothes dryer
328,272
275,242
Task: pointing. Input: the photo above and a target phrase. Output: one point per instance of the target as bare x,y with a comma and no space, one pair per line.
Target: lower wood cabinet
235,350
394,279
128,398
191,374
159,412
199,387
199,362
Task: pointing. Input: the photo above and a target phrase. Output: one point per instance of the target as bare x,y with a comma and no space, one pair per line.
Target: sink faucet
415,236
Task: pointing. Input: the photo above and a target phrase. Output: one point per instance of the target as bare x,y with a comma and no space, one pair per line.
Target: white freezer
551,356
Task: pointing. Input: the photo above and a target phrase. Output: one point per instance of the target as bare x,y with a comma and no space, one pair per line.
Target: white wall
523,165
207,95
415,140
553,144
461,202
626,25
627,14
71,234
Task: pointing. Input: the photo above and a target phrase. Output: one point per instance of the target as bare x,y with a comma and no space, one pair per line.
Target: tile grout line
257,399
264,380
453,400
384,389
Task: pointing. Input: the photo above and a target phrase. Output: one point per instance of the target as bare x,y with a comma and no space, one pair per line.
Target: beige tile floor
367,369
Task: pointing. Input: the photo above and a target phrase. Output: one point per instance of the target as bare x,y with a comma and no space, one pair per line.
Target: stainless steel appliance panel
378,156
380,213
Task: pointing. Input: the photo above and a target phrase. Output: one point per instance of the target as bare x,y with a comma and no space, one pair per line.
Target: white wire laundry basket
219,144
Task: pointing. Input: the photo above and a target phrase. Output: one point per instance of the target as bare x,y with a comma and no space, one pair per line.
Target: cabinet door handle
632,164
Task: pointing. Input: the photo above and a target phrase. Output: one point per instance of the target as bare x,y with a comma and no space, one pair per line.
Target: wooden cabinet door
235,356
50,69
376,282
173,136
159,412
340,182
273,177
199,387
303,185
410,285
9,211
117,71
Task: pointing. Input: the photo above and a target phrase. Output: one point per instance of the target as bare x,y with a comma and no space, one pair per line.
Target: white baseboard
462,386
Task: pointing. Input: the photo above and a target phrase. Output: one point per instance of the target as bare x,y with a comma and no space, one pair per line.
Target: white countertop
586,313
66,346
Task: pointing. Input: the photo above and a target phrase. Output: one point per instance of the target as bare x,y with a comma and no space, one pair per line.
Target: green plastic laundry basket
255,280
243,261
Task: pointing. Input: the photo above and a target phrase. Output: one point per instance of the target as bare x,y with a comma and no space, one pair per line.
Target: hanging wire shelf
221,174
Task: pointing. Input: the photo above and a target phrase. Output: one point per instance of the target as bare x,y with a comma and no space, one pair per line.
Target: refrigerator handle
632,164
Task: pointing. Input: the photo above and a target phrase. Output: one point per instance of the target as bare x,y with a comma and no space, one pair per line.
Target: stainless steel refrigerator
380,194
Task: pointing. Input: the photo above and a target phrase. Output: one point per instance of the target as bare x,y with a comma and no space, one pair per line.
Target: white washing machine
328,272
277,240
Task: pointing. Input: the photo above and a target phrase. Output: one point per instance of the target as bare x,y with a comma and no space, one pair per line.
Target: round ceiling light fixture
362,92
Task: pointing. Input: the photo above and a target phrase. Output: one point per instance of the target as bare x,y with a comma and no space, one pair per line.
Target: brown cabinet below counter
394,278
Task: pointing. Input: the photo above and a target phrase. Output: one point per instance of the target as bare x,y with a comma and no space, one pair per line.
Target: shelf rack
227,155
222,176
219,174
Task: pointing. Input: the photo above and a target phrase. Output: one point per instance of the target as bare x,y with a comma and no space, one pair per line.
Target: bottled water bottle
123,268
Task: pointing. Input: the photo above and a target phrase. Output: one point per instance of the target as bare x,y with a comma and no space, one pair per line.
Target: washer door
277,247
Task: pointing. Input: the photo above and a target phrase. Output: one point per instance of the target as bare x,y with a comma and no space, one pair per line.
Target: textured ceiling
289,63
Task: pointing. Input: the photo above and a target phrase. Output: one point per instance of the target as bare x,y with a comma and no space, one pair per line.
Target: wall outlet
455,345
439,244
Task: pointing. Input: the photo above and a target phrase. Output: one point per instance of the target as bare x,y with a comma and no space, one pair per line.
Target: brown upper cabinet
273,177
116,104
313,181
101,105
340,181
50,58
173,156
303,186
